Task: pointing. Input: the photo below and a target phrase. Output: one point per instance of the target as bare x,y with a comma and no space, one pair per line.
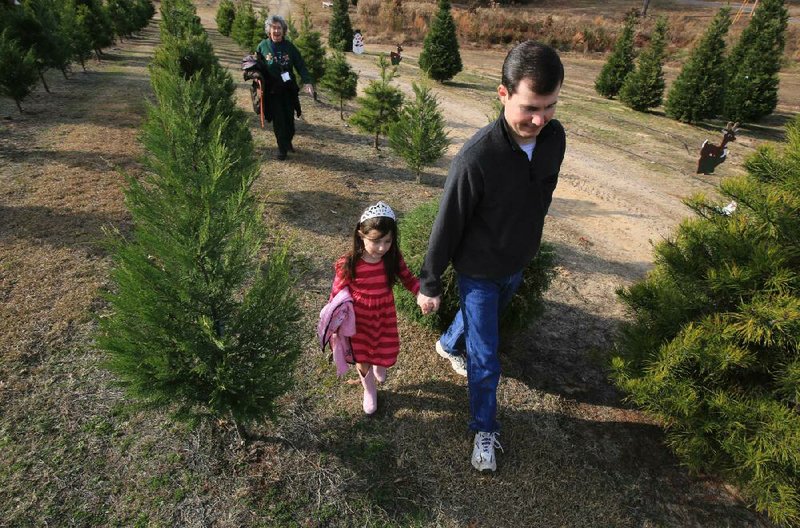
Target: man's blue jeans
476,331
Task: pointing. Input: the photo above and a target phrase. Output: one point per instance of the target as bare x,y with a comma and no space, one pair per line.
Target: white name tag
285,76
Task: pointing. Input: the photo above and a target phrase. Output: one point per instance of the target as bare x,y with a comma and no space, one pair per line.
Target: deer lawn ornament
395,58
713,155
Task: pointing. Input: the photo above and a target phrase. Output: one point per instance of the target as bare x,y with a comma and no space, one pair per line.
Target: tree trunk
341,108
19,106
645,4
64,73
41,76
376,141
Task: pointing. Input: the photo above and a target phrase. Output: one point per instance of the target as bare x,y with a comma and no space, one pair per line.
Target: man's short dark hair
537,62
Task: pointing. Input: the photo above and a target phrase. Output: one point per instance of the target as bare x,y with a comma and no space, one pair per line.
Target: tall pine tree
340,34
644,86
440,58
620,62
418,135
380,104
196,318
712,349
340,79
698,91
226,14
752,67
18,72
309,43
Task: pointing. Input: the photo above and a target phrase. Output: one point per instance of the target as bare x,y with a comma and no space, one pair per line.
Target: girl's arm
339,280
408,279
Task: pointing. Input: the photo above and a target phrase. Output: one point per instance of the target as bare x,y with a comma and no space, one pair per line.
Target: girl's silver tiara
379,209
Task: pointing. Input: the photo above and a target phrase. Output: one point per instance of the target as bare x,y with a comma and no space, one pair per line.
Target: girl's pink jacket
337,322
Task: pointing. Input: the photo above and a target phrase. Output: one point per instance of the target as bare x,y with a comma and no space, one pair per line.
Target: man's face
526,111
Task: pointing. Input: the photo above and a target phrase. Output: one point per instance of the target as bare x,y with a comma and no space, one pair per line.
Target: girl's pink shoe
370,391
380,373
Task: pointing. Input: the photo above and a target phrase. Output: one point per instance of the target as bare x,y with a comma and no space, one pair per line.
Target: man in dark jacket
490,224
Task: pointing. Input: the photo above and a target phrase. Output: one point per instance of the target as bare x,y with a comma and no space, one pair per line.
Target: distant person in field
370,270
282,58
490,223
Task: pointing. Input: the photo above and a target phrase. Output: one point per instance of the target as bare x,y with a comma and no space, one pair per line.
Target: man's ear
502,93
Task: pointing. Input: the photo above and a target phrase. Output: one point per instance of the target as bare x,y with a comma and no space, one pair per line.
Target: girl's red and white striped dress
376,340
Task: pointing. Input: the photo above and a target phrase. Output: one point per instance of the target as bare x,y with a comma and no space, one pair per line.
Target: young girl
369,271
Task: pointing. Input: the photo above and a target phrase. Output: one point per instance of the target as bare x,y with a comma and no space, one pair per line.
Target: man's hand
428,304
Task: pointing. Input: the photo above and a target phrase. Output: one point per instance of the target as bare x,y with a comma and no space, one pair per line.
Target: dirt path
574,455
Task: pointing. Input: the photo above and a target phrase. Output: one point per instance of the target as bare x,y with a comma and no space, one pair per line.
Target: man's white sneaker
458,363
483,451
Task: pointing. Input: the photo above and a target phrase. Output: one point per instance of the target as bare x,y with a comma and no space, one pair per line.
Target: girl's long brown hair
391,259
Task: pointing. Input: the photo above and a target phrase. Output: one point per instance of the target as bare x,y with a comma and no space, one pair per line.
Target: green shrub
620,62
197,320
418,135
339,79
440,58
751,91
18,74
340,33
698,91
644,86
415,230
226,13
380,104
712,348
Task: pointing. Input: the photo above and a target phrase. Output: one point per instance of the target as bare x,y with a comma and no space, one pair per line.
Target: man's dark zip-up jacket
492,212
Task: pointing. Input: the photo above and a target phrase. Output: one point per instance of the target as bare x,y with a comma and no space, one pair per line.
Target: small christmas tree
713,346
418,136
245,30
752,67
18,73
440,58
644,87
340,34
99,24
73,26
340,79
619,63
196,318
698,91
309,43
226,14
380,104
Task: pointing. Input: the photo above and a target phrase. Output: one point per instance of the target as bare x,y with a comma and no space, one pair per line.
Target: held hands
309,89
428,304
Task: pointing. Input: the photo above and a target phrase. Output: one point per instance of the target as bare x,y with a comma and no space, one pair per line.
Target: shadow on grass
88,160
408,464
57,228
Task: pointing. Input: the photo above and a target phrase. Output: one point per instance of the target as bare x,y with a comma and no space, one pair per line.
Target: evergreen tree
243,30
291,28
18,72
752,67
418,136
712,349
309,43
144,11
123,17
340,79
179,19
619,63
226,13
99,25
526,305
380,104
195,318
340,34
440,58
698,91
644,87
75,30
